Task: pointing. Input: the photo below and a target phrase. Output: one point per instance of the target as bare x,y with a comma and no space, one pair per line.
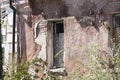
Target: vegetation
22,71
100,67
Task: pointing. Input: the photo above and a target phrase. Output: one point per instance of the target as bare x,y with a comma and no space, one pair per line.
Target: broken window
55,44
58,42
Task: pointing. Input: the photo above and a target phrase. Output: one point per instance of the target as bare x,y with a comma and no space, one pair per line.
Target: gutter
14,24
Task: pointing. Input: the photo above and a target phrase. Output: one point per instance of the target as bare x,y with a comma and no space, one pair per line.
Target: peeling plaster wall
87,27
42,38
48,8
77,8
80,41
27,48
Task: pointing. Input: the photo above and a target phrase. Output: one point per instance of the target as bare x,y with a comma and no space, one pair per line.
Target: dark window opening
117,20
58,43
59,28
116,29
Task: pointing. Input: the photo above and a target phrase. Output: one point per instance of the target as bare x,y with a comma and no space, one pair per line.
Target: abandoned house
68,29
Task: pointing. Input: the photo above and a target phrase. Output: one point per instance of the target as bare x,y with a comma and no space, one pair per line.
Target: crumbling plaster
88,27
41,39
79,42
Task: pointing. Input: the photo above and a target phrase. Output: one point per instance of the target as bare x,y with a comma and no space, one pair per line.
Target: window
117,20
58,42
116,29
55,44
58,28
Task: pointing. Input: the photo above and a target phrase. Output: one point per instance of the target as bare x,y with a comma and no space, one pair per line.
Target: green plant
21,72
99,66
51,76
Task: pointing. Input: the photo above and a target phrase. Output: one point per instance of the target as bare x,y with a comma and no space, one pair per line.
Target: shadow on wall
22,56
49,8
86,13
22,39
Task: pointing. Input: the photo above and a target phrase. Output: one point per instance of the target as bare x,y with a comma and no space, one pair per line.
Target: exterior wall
41,39
49,9
74,39
87,28
79,42
27,47
7,33
7,27
77,8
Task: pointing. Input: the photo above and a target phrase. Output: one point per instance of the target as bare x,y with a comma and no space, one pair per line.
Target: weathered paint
87,28
80,41
42,38
27,48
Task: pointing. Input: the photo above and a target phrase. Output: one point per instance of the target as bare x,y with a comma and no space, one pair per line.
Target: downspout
1,53
14,24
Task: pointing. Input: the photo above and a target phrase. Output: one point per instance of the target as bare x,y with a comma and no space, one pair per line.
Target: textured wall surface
27,48
41,39
77,8
79,42
85,25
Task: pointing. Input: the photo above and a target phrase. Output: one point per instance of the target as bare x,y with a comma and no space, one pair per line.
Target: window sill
58,71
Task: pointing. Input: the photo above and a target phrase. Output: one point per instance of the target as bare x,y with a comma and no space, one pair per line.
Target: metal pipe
14,24
1,53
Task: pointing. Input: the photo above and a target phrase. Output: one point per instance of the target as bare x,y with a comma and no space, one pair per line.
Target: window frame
50,52
114,22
